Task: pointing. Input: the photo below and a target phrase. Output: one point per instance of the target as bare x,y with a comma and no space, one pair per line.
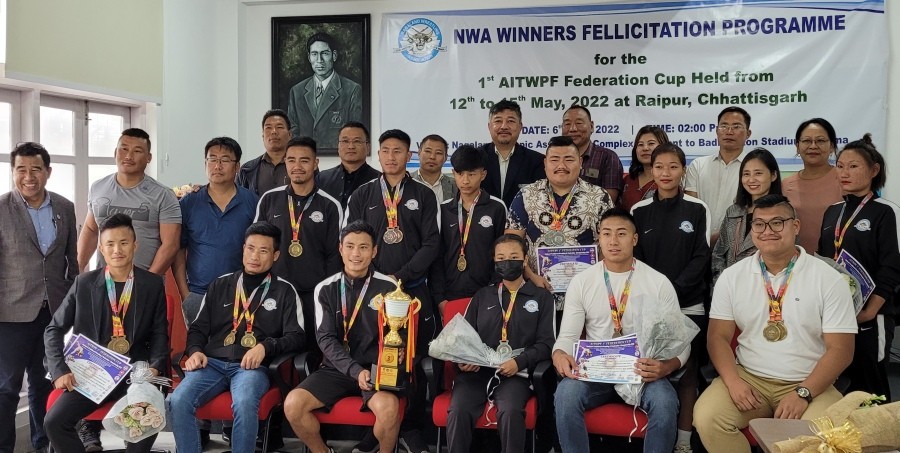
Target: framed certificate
560,264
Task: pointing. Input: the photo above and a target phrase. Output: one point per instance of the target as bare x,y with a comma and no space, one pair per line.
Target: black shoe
204,438
368,444
413,443
226,435
89,434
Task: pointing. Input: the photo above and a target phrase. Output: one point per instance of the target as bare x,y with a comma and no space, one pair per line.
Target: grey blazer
448,184
25,272
733,245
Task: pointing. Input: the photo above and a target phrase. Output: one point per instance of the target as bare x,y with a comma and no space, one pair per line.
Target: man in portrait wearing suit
510,165
37,266
319,105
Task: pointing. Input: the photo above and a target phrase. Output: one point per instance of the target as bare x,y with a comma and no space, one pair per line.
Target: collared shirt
437,188
44,222
504,165
340,183
214,238
714,182
324,83
602,167
270,175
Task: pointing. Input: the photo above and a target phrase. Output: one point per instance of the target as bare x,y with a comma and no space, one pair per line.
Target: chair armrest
176,363
709,373
283,373
306,363
434,373
544,380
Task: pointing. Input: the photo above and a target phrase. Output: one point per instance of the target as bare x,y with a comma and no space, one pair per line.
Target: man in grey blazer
37,266
320,105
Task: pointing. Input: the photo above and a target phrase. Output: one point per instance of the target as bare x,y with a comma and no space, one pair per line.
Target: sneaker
683,448
226,435
89,435
413,443
368,444
204,437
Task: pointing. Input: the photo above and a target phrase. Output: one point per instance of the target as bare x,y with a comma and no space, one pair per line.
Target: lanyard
559,213
241,299
359,301
120,305
390,204
775,300
840,232
464,234
508,312
618,309
295,221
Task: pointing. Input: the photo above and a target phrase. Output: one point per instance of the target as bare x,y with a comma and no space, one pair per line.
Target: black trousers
866,372
416,417
72,407
467,404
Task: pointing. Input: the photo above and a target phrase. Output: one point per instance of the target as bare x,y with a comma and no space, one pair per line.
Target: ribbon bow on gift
842,439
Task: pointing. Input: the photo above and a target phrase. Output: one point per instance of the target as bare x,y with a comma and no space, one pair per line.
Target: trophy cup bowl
390,372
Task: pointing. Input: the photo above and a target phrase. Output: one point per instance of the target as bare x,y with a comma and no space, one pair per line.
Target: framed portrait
321,74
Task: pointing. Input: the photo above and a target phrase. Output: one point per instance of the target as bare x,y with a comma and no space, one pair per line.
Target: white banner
673,64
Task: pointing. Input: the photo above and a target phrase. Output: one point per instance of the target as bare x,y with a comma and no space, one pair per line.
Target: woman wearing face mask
759,176
673,238
511,314
639,183
816,186
864,226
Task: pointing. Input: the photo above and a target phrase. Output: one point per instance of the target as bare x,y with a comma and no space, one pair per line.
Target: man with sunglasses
793,315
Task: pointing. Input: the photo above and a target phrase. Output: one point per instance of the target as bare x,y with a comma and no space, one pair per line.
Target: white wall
250,23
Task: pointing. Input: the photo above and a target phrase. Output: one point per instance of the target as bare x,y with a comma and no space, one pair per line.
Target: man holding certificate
119,306
631,285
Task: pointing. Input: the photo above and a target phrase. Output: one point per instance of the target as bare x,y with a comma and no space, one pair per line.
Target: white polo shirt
816,302
714,182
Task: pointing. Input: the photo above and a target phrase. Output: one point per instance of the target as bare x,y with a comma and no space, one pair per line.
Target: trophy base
392,379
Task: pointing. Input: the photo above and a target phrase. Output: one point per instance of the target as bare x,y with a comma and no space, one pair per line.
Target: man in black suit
509,165
96,299
38,253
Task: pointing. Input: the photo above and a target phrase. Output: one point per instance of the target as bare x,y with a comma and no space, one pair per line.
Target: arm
693,274
292,336
838,355
887,277
63,320
327,336
72,268
159,340
720,251
198,331
333,261
420,262
179,271
87,241
545,338
570,329
170,238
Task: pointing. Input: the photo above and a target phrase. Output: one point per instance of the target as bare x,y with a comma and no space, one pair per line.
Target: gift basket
141,413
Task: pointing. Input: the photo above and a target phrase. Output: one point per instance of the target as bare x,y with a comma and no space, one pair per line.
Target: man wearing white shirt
432,157
585,310
795,322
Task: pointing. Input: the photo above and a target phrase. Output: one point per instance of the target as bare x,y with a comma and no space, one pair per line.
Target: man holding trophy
353,307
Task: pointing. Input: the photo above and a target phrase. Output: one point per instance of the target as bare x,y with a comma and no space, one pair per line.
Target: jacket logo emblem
412,205
270,304
317,217
486,221
863,225
686,227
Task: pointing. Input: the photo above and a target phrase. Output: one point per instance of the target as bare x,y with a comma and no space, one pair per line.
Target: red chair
543,381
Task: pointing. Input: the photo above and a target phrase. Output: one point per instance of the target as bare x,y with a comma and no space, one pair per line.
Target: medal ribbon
618,309
120,305
359,301
390,204
508,312
464,234
295,221
241,300
559,213
840,232
775,300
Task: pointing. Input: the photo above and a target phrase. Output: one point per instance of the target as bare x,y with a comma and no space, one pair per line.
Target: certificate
863,279
97,370
611,361
560,264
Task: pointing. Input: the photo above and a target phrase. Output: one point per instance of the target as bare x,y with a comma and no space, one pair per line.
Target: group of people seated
275,256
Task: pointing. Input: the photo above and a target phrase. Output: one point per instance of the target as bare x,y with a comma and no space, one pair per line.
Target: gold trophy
395,356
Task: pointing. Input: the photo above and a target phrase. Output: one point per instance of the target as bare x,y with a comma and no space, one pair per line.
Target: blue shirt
44,222
214,239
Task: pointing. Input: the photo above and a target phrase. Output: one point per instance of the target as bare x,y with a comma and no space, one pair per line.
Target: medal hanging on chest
840,232
461,262
555,236
504,349
119,306
241,301
392,235
295,249
775,329
617,309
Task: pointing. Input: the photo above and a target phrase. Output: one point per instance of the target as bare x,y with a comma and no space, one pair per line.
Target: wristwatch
803,392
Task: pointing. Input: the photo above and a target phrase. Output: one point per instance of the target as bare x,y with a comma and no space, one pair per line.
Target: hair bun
867,139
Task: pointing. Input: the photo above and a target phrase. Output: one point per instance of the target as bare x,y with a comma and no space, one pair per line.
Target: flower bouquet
459,342
141,412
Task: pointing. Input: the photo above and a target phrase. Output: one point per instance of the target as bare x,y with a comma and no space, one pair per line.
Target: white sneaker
683,448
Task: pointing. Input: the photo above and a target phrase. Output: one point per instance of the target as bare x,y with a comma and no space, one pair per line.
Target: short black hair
29,149
618,212
264,228
579,107
821,122
395,133
865,148
774,199
468,158
504,238
279,113
359,226
323,37
743,198
302,141
669,148
138,133
355,125
117,221
435,138
505,104
224,142
560,140
735,109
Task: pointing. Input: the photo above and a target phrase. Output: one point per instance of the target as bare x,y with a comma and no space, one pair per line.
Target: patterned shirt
602,167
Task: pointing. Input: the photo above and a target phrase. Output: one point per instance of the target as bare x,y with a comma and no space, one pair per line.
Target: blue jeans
200,386
573,397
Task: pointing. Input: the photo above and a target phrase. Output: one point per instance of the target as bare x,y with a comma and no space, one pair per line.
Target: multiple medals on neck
555,237
241,301
295,249
464,232
617,309
775,329
392,235
504,348
119,306
359,300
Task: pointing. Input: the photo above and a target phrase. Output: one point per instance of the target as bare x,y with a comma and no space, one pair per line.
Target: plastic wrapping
141,413
460,343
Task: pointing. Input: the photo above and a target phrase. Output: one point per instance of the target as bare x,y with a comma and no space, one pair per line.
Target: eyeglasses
219,160
820,142
357,142
776,224
730,127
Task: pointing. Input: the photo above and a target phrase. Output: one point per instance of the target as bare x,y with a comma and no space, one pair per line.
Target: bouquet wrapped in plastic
141,413
460,343
855,292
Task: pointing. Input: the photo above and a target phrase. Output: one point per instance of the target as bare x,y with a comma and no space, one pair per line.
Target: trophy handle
377,301
416,304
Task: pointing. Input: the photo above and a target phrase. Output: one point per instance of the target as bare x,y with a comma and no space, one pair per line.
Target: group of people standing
274,256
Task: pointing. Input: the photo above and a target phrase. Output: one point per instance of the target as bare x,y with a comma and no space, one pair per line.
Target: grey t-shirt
148,204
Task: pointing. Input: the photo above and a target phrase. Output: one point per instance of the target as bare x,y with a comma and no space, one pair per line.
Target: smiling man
510,166
432,157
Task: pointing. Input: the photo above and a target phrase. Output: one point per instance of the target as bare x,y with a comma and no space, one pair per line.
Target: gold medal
617,333
772,332
782,329
248,340
295,249
119,345
229,339
461,263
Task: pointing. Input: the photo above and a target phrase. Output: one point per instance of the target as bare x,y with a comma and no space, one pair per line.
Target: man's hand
564,364
196,361
363,380
469,368
791,407
651,370
154,371
508,368
66,381
744,396
254,357
541,282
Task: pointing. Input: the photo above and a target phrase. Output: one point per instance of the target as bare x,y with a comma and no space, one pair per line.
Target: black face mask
509,269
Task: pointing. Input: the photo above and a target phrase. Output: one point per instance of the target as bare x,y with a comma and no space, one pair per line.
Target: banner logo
420,40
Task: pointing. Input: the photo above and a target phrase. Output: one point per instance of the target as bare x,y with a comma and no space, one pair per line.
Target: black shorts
329,386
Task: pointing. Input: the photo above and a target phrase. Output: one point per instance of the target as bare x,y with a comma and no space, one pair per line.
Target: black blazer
86,311
525,167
